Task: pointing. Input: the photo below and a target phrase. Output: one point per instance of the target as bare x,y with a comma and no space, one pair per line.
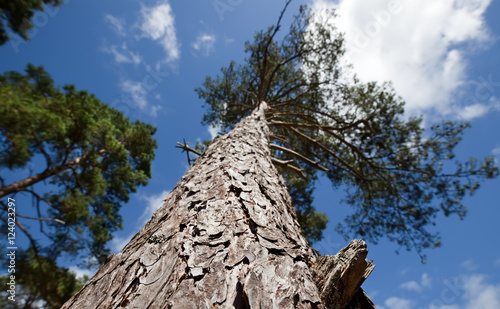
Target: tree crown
355,132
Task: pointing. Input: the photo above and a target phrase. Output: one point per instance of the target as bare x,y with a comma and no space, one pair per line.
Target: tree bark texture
226,237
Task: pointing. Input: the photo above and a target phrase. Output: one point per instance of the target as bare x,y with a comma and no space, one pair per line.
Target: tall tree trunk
226,236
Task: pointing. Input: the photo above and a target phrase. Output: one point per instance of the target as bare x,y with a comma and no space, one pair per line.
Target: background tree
94,158
17,16
321,119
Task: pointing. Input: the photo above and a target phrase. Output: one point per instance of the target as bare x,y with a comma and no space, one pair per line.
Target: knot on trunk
339,277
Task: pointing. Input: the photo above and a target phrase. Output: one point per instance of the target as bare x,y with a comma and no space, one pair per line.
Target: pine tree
397,175
227,236
92,158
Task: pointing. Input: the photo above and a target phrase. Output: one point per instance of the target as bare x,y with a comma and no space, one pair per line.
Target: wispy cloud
463,292
497,262
122,54
81,272
158,24
117,24
118,243
480,294
469,265
154,202
136,92
214,131
473,111
398,303
425,282
421,46
204,44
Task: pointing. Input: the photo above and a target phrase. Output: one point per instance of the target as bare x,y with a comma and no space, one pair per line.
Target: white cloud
117,24
411,286
468,265
122,54
136,91
204,44
473,111
214,131
80,272
480,295
399,303
228,41
158,25
154,202
470,292
118,243
418,45
425,282
443,307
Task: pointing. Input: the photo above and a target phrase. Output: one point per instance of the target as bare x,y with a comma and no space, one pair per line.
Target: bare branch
288,164
42,219
300,157
266,52
333,154
185,147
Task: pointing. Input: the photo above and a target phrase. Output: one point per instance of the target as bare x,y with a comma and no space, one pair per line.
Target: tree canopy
17,16
324,119
87,158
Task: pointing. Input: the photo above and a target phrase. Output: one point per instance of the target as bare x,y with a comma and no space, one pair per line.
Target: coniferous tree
356,133
227,235
92,158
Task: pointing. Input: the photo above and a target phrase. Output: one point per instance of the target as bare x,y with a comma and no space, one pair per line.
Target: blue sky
146,57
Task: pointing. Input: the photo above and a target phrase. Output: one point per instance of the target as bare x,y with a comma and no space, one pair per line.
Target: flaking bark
226,237
339,277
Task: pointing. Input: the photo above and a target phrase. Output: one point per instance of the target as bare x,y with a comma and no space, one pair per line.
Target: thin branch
288,164
266,51
185,147
39,145
300,157
329,151
42,219
301,125
298,115
280,138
